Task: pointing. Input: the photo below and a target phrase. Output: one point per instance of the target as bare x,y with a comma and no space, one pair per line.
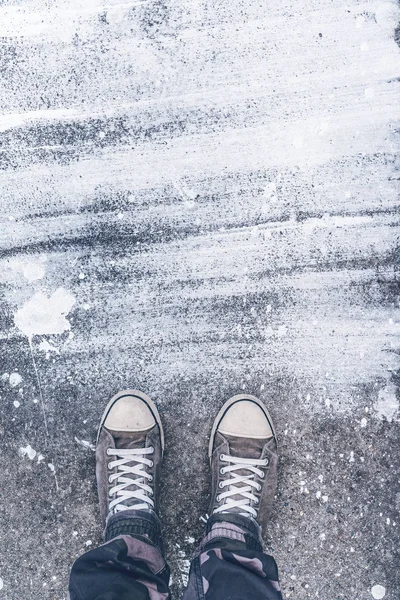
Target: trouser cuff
234,527
139,524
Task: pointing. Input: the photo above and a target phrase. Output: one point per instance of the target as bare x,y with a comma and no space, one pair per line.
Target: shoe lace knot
130,478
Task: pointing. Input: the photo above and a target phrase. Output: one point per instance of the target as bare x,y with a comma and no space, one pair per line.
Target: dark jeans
228,565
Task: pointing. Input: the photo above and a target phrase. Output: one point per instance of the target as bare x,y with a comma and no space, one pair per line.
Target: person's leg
130,565
230,563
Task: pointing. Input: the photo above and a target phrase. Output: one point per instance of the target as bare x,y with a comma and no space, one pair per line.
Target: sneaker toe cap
129,413
245,418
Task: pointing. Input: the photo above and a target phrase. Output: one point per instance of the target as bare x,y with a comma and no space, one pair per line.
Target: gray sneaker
130,445
244,460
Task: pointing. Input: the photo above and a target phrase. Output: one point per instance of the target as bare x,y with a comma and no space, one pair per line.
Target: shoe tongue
125,439
245,447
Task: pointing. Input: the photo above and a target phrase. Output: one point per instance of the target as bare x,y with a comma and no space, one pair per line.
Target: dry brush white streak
193,154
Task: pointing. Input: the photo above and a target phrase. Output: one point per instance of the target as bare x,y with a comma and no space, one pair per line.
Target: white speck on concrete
363,422
28,451
43,315
378,592
16,404
387,405
1,583
85,444
44,346
15,379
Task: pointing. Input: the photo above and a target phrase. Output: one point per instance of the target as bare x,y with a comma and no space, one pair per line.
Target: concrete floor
199,198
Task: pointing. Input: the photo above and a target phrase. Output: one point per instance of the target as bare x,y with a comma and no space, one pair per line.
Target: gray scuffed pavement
196,199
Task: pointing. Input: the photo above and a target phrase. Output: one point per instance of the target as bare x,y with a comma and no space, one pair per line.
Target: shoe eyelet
109,466
151,449
109,493
222,457
218,498
151,464
256,501
262,475
110,479
222,471
266,462
150,478
259,488
221,484
108,452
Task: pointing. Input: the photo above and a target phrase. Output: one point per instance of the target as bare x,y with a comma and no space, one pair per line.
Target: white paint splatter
53,470
16,404
44,346
387,405
85,444
28,451
32,269
190,540
43,315
15,379
387,15
378,592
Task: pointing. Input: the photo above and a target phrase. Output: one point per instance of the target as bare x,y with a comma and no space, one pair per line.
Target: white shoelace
123,478
247,484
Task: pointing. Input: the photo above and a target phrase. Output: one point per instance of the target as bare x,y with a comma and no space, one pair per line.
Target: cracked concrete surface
198,198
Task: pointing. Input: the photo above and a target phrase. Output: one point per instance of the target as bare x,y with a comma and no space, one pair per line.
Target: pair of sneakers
242,452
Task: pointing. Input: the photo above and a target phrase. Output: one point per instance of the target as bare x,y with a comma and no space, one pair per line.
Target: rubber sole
226,406
142,396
